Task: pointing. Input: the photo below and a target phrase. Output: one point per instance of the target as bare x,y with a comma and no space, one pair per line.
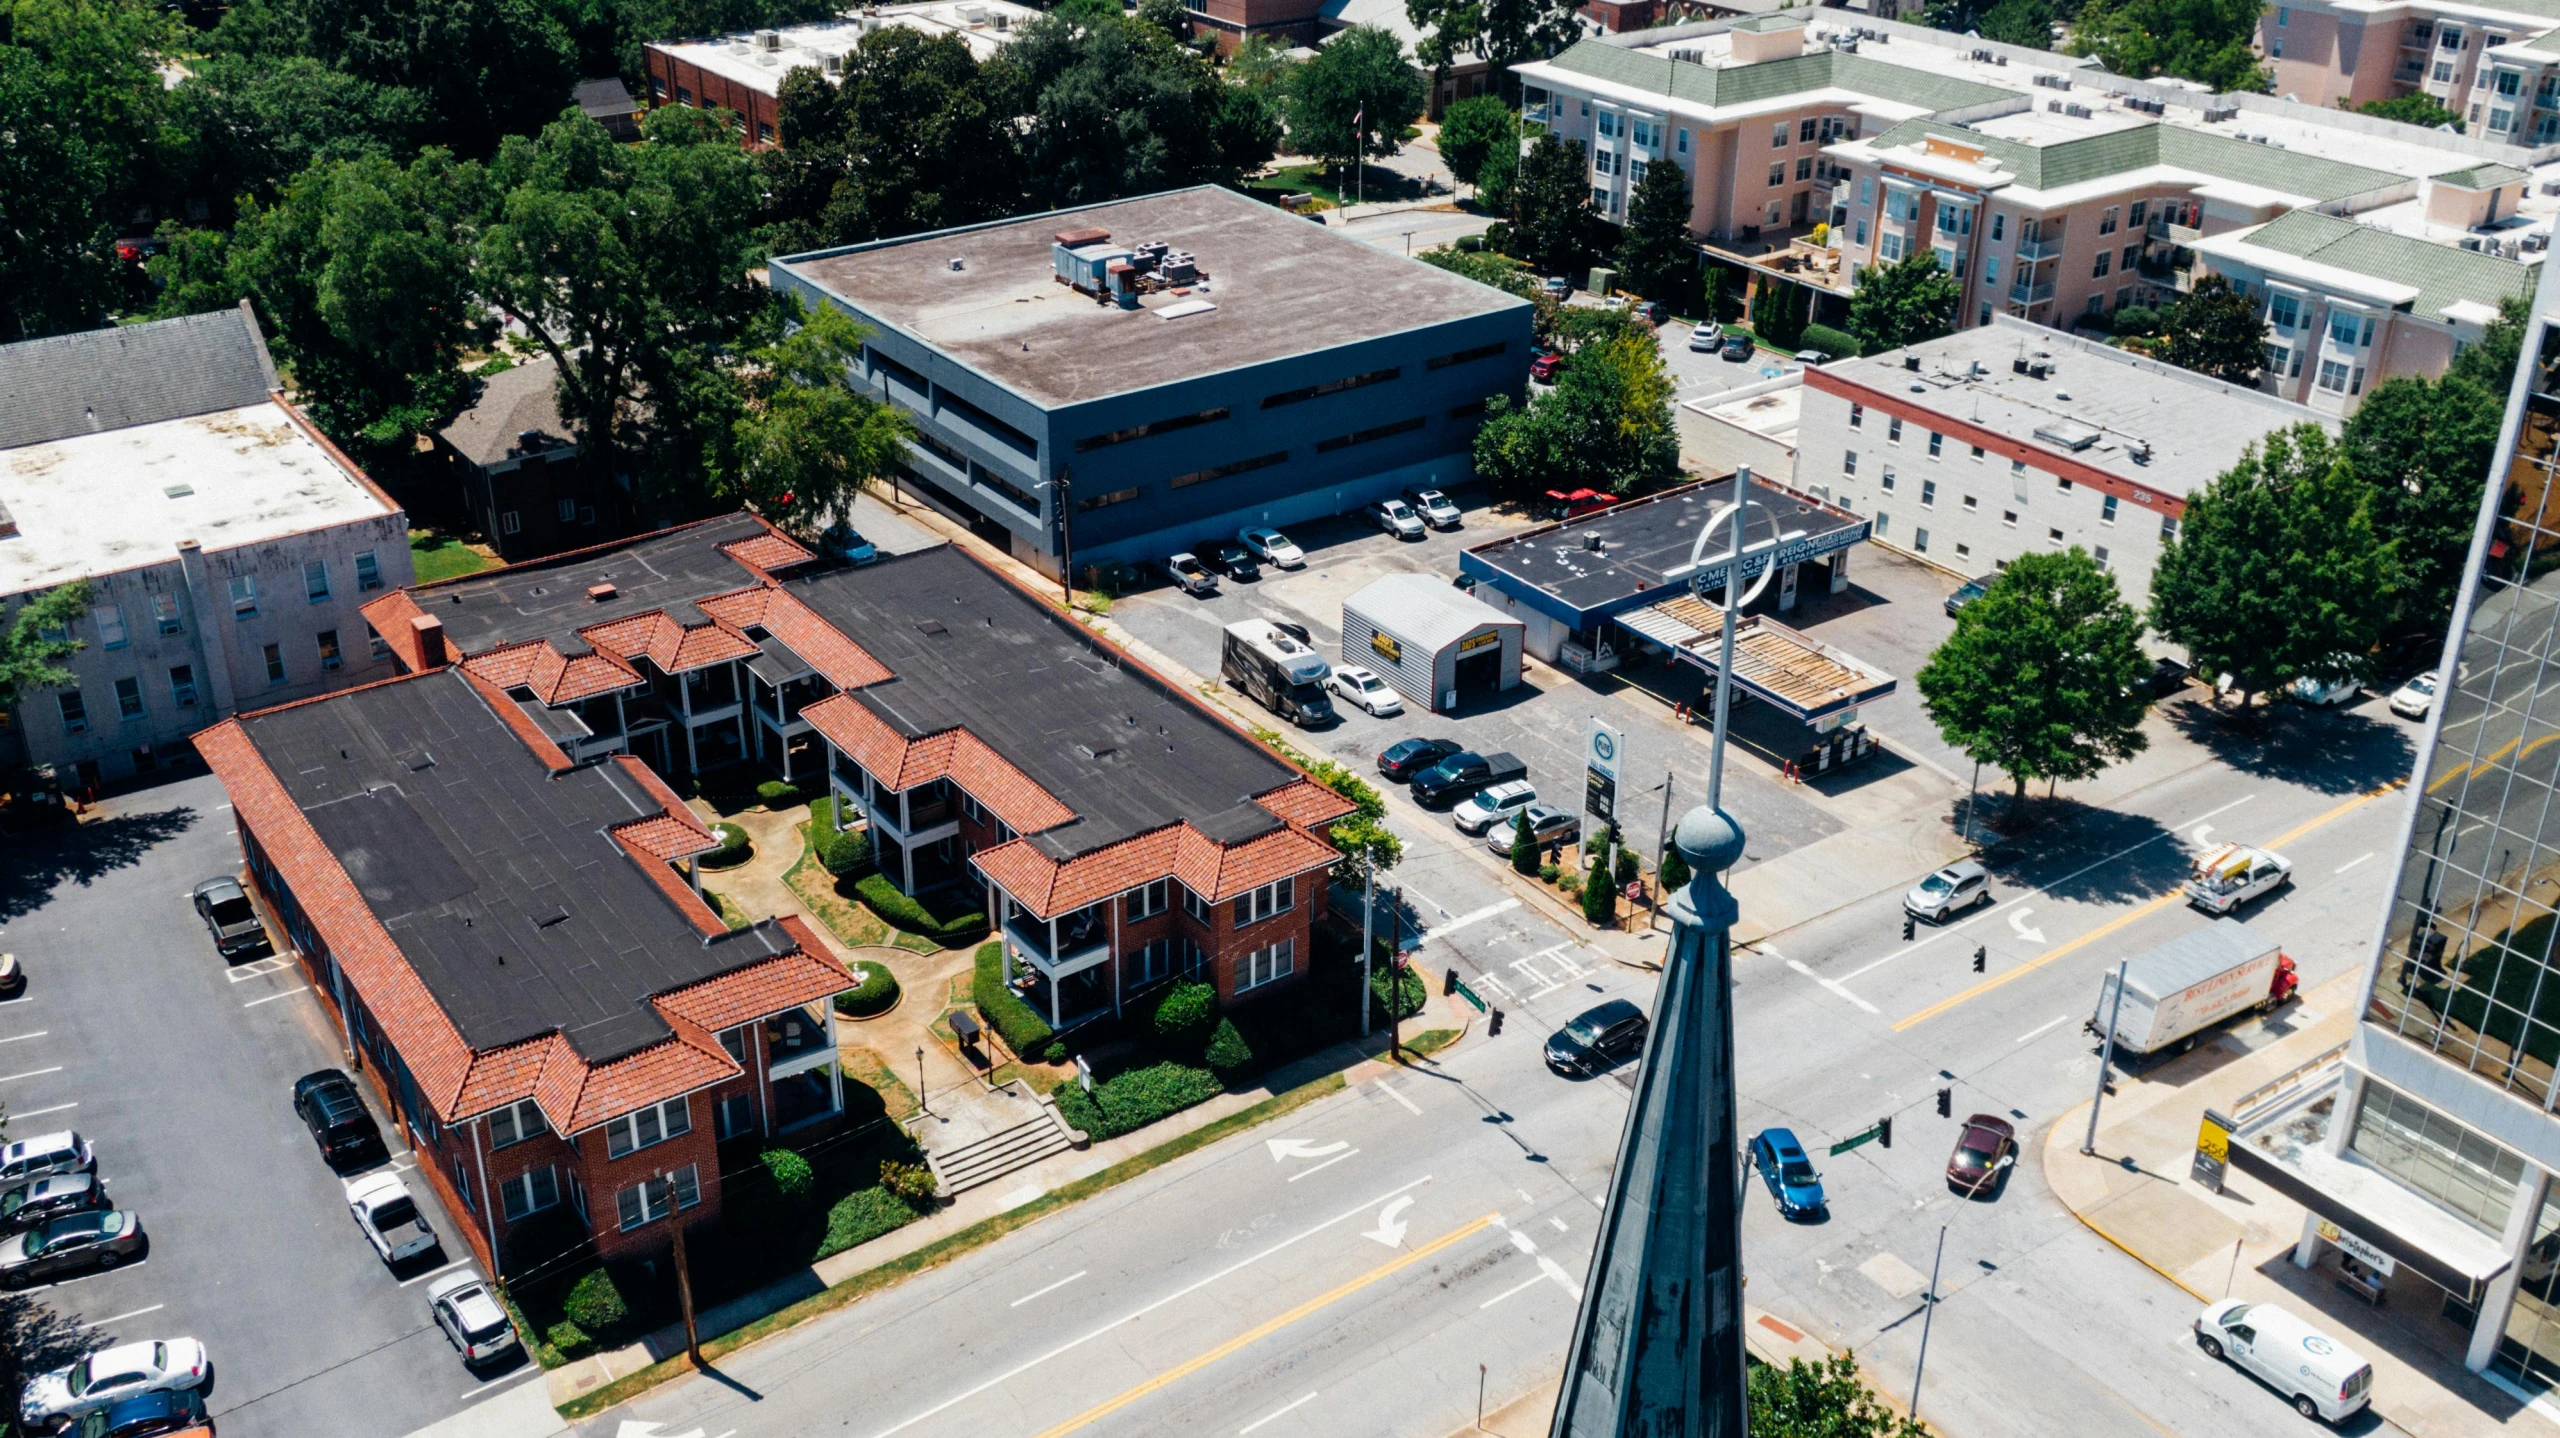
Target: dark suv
1462,774
335,1113
41,1201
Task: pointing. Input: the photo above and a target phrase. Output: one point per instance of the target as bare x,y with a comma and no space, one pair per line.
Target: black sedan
1408,757
38,1202
230,917
331,1108
1598,1038
1738,347
1225,556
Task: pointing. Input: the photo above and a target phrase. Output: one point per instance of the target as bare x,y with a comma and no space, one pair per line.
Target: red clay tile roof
845,664
666,838
787,981
954,754
767,552
669,645
672,884
1306,803
586,1096
390,616
517,720
1213,871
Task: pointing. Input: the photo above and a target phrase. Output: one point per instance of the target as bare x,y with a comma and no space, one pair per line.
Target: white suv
1495,803
1397,518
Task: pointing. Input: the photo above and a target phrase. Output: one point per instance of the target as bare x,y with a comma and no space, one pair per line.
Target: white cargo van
2324,1378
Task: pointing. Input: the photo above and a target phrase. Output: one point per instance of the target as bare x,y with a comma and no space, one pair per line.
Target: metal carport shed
1431,642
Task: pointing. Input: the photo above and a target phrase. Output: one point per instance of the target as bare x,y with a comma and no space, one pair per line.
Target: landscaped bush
569,1338
1675,869
595,1303
1185,1006
1228,1054
1547,873
912,1182
905,911
1132,1100
1630,868
861,1216
788,1175
1022,1029
842,854
876,993
1055,1053
1839,344
1401,1000
733,851
779,794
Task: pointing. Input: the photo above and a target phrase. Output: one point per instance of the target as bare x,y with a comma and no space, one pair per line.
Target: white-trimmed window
315,580
1857,416
508,523
110,621
529,1192
1148,900
1264,965
1151,961
1893,430
1849,463
515,1123
654,1199
1277,897
2107,510
1937,443
1197,907
655,1124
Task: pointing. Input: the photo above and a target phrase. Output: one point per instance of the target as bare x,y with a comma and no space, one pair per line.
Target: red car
1561,505
1986,1147
1546,366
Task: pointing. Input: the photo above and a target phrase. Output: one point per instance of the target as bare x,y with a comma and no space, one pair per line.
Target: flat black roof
547,599
495,876
1125,752
1646,544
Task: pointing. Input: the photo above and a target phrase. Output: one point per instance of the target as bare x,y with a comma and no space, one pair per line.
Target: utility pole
684,1287
1395,979
1368,930
1066,542
1931,1312
1971,800
2106,1056
1661,848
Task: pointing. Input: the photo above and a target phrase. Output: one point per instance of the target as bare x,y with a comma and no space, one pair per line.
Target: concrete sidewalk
2135,1192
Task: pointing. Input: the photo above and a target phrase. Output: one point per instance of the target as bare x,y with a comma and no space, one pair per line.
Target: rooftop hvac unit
2471,243
1999,59
1694,57
2054,105
2551,187
2538,241
1004,20
974,14
2216,114
1911,361
1979,56
833,65
1179,266
2038,369
768,39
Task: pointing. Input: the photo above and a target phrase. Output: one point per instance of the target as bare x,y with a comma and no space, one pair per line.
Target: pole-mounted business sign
1600,756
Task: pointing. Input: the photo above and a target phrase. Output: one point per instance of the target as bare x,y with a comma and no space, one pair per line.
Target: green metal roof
1771,79
2481,177
2094,157
2441,274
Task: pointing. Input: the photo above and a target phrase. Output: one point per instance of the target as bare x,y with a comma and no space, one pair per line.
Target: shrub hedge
569,1338
1130,1101
594,1302
1228,1054
1185,1006
876,994
1403,1000
904,912
734,848
861,1216
1839,344
1022,1029
778,794
842,854
790,1176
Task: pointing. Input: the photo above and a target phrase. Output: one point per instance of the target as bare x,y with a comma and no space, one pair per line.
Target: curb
2091,1224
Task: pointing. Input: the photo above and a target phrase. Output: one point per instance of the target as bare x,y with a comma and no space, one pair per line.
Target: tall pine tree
1655,257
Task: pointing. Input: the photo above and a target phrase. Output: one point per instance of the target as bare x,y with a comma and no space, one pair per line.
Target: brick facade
678,82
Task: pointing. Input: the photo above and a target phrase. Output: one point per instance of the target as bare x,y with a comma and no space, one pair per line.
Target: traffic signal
1946,1103
1449,985
1981,957
1910,926
1884,1132
1495,1030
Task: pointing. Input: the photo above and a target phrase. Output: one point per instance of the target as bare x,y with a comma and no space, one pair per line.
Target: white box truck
2182,988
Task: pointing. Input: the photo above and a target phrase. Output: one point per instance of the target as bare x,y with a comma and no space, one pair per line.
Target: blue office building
1173,366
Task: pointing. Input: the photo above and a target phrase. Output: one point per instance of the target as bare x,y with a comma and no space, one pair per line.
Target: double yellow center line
1264,1330
2129,916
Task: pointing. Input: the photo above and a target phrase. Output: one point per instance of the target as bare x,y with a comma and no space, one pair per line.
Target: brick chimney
429,632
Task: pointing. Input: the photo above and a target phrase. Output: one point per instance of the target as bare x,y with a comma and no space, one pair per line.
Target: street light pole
1368,930
1066,542
1927,1314
2106,1056
921,1105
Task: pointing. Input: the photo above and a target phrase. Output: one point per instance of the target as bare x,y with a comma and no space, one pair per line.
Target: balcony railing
2030,251
1027,940
2177,234
2023,293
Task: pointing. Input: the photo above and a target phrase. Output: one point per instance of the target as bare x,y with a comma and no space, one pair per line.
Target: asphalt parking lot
1891,617
179,1069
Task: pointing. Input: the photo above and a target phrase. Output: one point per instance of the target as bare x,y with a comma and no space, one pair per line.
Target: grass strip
968,1240
1430,1041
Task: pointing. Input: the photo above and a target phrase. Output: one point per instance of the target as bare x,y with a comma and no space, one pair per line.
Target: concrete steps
1027,1132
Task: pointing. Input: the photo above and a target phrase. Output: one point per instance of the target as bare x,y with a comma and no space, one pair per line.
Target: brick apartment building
554,1015
742,73
1120,832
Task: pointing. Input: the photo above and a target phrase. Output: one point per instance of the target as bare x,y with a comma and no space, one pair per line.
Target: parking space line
41,1112
271,998
487,1390
432,1272
40,1033
121,1317
31,1073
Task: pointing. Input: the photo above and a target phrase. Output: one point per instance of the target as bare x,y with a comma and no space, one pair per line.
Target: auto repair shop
1430,641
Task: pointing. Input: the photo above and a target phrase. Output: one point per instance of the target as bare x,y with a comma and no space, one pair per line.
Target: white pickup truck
2229,875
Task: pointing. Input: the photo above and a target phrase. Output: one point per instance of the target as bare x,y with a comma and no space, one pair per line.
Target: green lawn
441,556
1318,180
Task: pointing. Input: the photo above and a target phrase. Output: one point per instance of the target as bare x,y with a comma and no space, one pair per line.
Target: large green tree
1504,32
1353,101
1819,1400
912,138
2215,330
1111,107
243,126
37,638
1904,303
2422,449
1471,130
1552,226
2038,678
2414,108
806,443
1656,258
2206,40
1606,425
2019,22
484,69
2278,572
628,265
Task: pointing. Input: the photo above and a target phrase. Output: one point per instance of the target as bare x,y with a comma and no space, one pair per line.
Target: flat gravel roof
1281,286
